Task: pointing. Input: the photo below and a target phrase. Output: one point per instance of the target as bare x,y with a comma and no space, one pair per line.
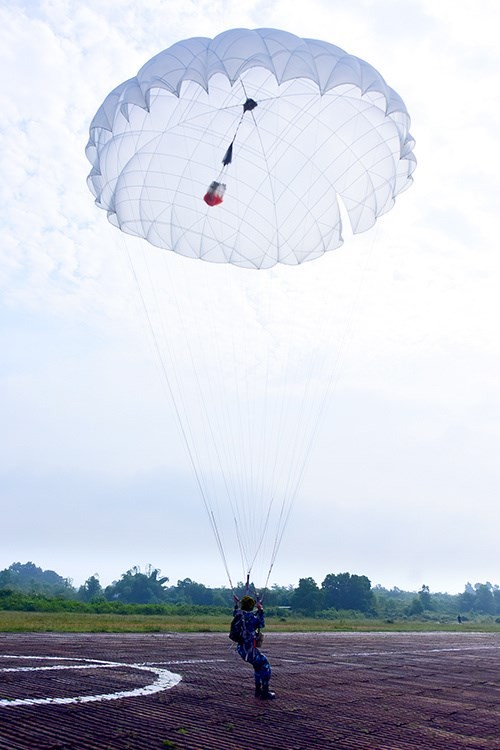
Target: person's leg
258,685
262,674
250,655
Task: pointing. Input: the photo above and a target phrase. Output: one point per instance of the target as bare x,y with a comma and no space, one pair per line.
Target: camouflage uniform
249,651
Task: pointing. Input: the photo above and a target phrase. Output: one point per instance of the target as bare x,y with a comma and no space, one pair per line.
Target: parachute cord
240,545
221,548
179,421
209,501
262,537
293,483
266,584
271,188
332,384
216,449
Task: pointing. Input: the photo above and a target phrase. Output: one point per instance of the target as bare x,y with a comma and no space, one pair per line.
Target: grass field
64,622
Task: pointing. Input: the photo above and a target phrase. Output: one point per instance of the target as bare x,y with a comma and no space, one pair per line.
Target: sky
402,480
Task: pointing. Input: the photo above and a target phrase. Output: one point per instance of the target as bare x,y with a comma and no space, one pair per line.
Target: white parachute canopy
239,150
322,124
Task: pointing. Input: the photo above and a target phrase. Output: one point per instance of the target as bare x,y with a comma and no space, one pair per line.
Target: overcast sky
402,483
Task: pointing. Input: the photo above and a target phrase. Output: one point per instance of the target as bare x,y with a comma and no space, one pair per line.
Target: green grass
77,622
81,622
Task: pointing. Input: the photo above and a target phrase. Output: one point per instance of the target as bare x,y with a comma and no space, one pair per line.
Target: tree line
343,593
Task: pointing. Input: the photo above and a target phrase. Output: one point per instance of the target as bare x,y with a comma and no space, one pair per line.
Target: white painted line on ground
164,680
189,661
422,651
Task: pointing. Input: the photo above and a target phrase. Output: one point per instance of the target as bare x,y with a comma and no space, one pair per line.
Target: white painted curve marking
424,651
164,680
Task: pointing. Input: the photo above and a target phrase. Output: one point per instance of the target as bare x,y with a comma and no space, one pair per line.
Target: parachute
326,125
247,150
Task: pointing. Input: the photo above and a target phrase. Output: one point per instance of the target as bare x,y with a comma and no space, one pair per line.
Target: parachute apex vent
249,105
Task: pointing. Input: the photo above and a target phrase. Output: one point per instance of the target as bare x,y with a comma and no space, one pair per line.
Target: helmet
247,603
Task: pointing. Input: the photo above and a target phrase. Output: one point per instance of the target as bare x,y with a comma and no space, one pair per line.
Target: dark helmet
247,603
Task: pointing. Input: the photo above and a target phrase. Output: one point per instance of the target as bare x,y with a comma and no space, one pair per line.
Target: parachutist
246,630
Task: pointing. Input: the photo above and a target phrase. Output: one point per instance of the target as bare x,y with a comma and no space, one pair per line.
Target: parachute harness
215,193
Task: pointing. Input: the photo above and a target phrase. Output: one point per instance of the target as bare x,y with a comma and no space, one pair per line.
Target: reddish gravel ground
346,691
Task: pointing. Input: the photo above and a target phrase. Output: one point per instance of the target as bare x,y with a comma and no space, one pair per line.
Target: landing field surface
335,691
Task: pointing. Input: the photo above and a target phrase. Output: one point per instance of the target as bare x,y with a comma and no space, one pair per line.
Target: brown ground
349,691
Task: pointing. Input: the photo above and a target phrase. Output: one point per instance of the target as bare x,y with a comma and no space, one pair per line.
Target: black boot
258,690
266,694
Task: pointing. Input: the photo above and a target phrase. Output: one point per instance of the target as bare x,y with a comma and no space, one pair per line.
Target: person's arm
260,616
236,605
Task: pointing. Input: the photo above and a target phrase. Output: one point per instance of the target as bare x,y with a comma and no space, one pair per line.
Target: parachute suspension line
290,490
221,423
304,200
188,443
300,445
231,493
189,439
280,429
262,537
301,448
221,547
248,439
240,546
232,425
184,434
266,442
213,197
265,436
300,461
331,385
273,194
241,442
292,484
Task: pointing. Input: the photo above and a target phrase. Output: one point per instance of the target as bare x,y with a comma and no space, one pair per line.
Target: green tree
190,592
135,587
416,607
425,598
307,597
485,602
91,591
346,591
496,598
279,596
467,600
391,603
29,578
